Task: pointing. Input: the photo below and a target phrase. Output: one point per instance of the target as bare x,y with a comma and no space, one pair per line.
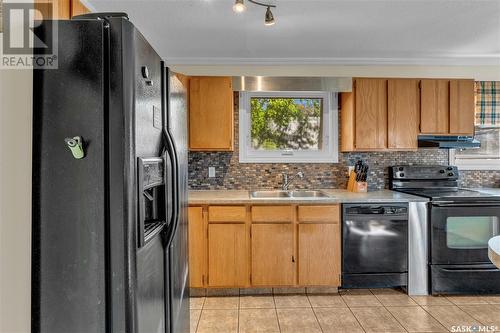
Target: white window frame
474,162
329,152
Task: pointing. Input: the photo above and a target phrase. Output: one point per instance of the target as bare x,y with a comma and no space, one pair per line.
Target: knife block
360,187
355,186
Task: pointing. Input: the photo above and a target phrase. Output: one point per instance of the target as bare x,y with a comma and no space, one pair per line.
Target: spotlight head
239,6
269,18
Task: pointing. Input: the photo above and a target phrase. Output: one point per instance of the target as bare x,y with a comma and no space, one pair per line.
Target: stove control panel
423,172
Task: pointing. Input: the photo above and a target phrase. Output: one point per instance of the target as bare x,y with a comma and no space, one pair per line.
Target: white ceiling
423,32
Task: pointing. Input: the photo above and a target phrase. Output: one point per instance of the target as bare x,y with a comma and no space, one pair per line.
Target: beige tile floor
362,310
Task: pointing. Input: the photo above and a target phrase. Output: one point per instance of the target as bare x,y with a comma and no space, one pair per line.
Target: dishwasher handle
377,210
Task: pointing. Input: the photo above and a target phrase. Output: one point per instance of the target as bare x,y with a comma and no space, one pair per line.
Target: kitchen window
487,131
288,127
485,158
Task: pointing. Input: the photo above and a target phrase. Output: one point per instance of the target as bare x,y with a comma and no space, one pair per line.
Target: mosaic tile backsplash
232,175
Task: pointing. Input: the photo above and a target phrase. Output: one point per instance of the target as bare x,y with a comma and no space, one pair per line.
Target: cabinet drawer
318,214
272,214
226,214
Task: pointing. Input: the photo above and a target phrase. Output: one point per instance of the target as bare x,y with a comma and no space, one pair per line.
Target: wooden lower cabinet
287,245
273,257
227,255
319,254
197,248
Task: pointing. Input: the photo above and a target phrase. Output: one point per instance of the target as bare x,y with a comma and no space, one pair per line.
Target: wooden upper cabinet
211,124
197,248
64,9
347,122
77,8
370,113
403,113
53,9
434,106
227,255
462,107
273,255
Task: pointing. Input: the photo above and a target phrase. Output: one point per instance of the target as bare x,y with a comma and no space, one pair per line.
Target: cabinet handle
293,259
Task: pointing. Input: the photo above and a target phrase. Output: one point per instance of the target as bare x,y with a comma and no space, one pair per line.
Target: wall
230,174
479,73
15,200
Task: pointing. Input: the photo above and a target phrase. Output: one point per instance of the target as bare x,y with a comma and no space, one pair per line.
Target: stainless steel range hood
447,142
292,83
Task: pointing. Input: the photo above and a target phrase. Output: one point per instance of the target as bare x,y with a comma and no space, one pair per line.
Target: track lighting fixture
239,6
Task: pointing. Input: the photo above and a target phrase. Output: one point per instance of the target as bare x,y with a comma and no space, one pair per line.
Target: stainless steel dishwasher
375,245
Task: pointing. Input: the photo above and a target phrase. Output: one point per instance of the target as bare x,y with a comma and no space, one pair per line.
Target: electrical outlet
211,172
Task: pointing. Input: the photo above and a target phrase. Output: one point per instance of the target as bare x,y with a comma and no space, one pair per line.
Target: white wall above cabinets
478,73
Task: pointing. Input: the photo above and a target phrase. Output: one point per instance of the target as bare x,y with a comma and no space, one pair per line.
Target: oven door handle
461,270
472,204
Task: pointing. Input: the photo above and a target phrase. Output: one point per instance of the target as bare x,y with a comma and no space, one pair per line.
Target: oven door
460,231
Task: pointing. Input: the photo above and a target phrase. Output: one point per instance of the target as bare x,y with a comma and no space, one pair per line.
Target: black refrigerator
109,184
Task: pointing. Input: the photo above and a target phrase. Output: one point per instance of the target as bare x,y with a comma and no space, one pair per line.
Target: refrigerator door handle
174,189
169,189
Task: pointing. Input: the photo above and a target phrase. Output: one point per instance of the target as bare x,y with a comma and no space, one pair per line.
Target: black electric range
461,221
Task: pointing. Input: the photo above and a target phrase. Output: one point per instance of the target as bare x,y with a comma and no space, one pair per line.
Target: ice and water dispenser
153,197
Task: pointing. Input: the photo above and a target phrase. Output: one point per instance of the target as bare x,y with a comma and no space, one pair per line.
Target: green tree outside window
286,123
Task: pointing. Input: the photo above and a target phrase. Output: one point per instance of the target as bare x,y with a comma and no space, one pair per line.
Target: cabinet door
227,255
319,254
403,113
462,107
53,9
434,106
77,8
211,114
273,257
197,247
371,113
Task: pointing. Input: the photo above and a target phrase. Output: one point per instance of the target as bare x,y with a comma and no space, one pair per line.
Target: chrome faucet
288,180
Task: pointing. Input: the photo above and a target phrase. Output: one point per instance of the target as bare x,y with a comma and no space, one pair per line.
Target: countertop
488,190
494,250
230,197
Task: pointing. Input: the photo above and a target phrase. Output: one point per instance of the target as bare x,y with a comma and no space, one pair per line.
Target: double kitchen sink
277,194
